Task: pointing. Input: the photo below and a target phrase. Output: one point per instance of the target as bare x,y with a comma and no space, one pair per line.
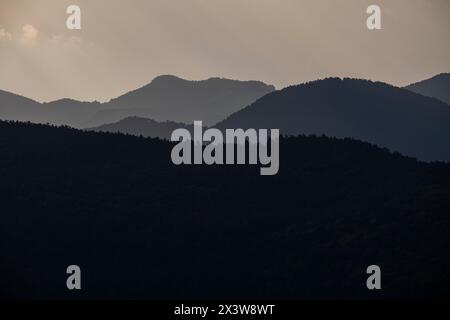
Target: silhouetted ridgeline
390,117
140,227
437,87
143,127
60,112
165,98
175,99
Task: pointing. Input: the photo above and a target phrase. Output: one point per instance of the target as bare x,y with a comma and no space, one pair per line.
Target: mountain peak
443,75
370,111
10,97
169,97
166,78
437,87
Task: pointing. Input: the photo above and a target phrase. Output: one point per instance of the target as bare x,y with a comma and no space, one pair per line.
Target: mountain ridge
436,87
166,97
210,100
376,112
142,127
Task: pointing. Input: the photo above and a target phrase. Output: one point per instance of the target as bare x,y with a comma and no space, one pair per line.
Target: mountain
61,112
391,117
142,228
142,127
179,100
437,87
16,107
70,112
166,98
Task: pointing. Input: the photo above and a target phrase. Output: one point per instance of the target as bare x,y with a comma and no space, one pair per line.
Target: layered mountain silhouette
142,127
143,228
437,87
179,100
399,119
166,98
60,112
391,117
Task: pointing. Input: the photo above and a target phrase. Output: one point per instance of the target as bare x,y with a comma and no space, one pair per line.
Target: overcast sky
125,44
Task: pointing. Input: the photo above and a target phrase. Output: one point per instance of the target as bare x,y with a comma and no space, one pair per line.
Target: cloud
29,32
5,35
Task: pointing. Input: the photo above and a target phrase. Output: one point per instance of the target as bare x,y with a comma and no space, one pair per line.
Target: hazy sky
125,44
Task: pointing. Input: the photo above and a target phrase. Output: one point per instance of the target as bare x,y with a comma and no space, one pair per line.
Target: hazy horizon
123,46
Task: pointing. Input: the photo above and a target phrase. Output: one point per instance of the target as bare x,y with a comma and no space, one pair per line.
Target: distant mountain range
60,112
165,98
437,87
391,117
175,99
409,120
388,116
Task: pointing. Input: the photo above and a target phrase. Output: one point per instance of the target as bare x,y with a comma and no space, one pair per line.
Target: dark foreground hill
437,87
140,227
391,117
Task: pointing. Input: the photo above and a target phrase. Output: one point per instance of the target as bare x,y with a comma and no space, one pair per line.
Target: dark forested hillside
390,117
140,227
